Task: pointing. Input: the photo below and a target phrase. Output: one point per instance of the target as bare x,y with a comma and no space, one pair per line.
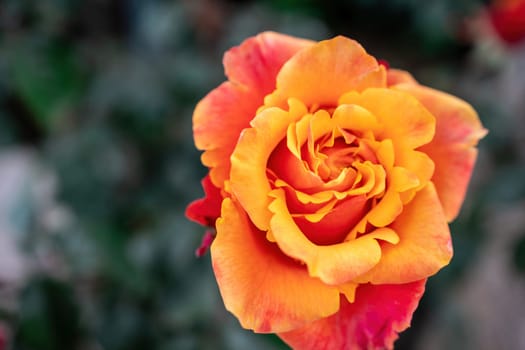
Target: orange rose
337,179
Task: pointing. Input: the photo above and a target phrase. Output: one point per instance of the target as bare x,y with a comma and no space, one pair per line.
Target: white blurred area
28,208
16,183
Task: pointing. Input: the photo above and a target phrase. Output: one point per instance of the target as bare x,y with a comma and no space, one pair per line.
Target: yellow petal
403,118
341,65
424,243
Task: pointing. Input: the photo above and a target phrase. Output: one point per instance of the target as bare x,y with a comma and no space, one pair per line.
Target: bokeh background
97,164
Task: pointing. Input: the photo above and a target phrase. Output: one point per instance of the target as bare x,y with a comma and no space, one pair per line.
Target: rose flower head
331,183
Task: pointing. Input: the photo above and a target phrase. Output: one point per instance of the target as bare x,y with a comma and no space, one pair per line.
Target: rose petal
220,116
355,118
458,130
255,63
371,322
217,122
424,243
418,163
264,289
334,264
341,65
404,119
206,242
386,210
334,227
397,76
206,210
292,170
301,203
248,178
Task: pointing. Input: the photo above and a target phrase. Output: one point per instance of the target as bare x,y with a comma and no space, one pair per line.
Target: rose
337,178
331,183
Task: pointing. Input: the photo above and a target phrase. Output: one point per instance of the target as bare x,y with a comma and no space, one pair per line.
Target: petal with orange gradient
248,177
398,76
371,322
458,131
341,65
334,264
220,116
424,245
264,289
255,63
217,122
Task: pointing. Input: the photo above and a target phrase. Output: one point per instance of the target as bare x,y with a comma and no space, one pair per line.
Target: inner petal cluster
326,183
347,165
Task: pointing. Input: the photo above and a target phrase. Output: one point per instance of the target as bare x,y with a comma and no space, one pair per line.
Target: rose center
331,155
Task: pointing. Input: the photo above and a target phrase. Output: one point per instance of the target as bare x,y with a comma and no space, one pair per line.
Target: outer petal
219,117
424,243
458,130
398,76
371,322
206,242
341,65
217,122
256,62
206,210
264,289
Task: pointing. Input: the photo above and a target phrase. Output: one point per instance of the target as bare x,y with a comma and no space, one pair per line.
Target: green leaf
48,317
115,262
48,80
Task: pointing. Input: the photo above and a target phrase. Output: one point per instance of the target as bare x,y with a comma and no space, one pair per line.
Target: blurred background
97,164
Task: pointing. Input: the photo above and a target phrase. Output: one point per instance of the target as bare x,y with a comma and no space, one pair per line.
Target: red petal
371,322
206,242
334,227
384,63
256,62
206,210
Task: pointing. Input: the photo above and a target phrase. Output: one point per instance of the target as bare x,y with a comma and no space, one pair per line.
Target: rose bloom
331,183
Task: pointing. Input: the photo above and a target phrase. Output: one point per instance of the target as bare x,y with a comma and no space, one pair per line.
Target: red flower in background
508,19
3,339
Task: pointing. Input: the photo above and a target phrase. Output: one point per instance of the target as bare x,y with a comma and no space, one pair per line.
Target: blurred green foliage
101,94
